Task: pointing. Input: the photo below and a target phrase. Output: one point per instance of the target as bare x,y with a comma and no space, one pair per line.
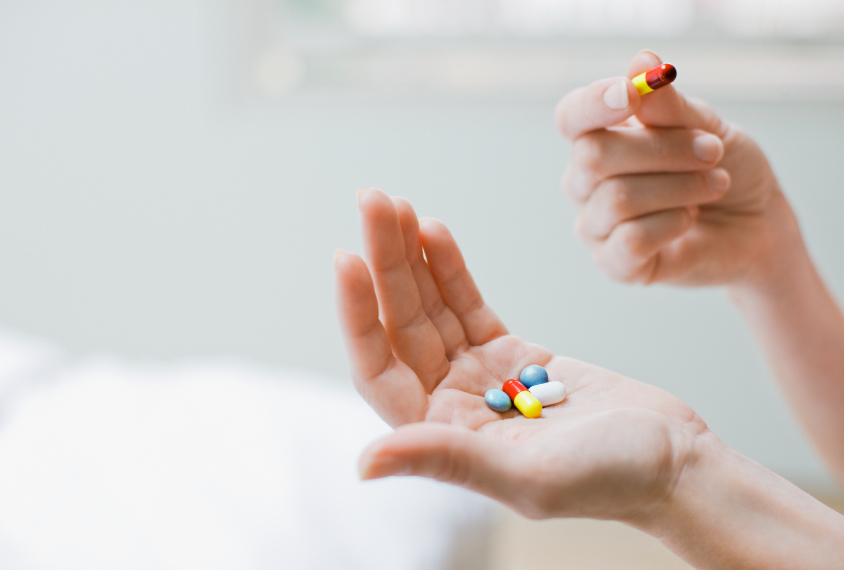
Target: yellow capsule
528,404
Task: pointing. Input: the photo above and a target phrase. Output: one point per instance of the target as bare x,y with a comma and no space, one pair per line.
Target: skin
651,211
424,347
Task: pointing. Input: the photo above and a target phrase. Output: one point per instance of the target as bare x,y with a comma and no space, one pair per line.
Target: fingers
631,252
626,197
604,103
667,107
414,338
387,384
443,318
603,154
446,453
456,286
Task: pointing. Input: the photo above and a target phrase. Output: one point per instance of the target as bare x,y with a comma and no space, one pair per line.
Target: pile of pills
529,393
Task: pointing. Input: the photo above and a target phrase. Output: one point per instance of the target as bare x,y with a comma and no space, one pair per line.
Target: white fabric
108,464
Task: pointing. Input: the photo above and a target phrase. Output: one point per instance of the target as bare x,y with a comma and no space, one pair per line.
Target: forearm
728,512
801,328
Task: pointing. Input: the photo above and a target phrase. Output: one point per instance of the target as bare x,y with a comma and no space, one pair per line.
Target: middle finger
629,196
602,154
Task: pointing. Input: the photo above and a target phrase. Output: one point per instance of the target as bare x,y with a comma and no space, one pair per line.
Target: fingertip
344,260
370,196
354,284
708,148
402,203
407,215
718,179
432,226
385,457
643,61
339,253
435,235
373,465
381,226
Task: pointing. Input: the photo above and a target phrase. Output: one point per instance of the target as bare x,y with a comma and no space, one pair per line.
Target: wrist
782,254
728,512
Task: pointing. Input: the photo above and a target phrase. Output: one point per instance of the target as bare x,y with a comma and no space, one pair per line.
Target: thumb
602,104
451,454
667,107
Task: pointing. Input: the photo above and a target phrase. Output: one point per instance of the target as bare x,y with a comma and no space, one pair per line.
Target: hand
613,449
667,191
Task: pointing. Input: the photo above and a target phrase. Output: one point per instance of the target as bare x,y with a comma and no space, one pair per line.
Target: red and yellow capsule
657,77
522,398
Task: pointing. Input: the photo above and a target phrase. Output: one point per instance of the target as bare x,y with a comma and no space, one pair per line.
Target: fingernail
360,191
615,96
338,252
718,179
707,148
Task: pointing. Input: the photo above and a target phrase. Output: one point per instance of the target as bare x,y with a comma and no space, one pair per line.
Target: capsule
657,77
549,393
522,398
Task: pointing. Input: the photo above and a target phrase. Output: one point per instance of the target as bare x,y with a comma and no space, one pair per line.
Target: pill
533,375
659,76
549,393
497,400
522,398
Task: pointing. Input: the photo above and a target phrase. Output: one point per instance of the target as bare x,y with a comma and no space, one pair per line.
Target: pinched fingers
622,198
667,107
631,252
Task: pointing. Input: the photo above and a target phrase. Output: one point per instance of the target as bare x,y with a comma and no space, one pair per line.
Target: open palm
612,449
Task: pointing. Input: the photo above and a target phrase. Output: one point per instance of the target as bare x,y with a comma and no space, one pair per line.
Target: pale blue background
148,209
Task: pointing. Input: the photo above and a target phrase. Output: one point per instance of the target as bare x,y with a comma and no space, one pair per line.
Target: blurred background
176,175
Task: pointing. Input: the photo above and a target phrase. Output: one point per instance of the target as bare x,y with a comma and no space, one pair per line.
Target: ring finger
625,197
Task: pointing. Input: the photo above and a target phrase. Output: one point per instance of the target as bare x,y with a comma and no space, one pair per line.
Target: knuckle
576,184
563,113
568,186
632,242
586,230
451,469
660,146
579,228
618,200
588,153
614,268
560,118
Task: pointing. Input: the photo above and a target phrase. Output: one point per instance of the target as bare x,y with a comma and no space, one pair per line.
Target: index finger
602,104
